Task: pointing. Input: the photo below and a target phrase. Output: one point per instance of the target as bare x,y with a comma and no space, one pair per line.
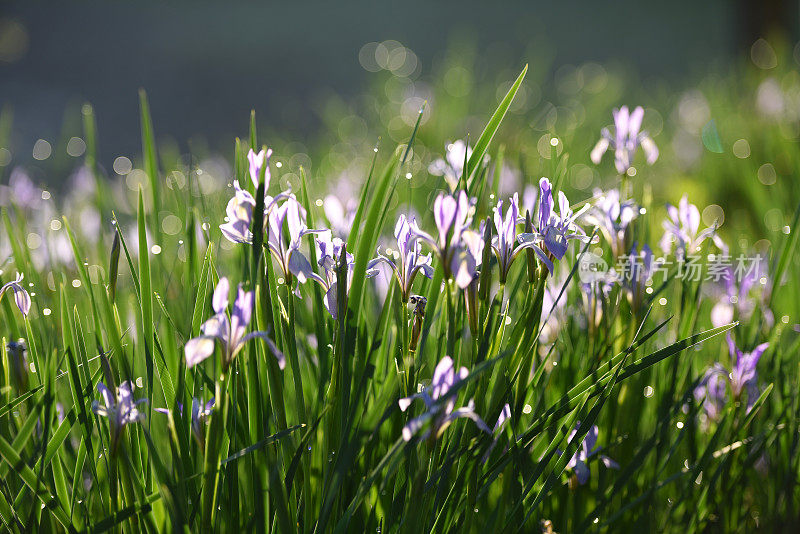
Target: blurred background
205,65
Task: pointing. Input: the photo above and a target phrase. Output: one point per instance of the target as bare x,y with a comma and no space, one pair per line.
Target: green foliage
319,446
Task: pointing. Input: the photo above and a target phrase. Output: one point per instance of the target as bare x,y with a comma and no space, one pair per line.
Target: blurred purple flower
411,261
230,333
340,214
738,294
451,167
440,412
612,217
21,296
683,228
554,230
578,462
626,140
742,376
121,410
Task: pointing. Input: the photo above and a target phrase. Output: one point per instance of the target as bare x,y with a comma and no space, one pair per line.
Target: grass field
575,324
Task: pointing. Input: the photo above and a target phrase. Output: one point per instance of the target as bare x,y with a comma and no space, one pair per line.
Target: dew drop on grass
648,391
139,382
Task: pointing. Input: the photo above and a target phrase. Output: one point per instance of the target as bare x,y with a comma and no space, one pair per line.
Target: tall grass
326,441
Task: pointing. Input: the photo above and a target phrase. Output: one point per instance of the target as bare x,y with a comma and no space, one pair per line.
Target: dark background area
205,65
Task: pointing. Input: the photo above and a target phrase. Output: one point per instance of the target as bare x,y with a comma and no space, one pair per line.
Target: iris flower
440,412
289,217
229,332
411,261
505,244
682,227
626,140
555,230
740,294
612,217
256,162
329,252
712,390
121,410
452,216
21,297
239,214
451,167
578,462
239,211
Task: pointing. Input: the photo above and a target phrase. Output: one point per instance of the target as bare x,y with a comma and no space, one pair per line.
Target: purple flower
229,332
287,227
21,296
626,139
440,412
466,258
411,260
340,214
239,214
121,410
555,230
452,216
504,243
451,167
612,217
578,462
682,227
742,377
256,162
739,293
712,390
329,252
